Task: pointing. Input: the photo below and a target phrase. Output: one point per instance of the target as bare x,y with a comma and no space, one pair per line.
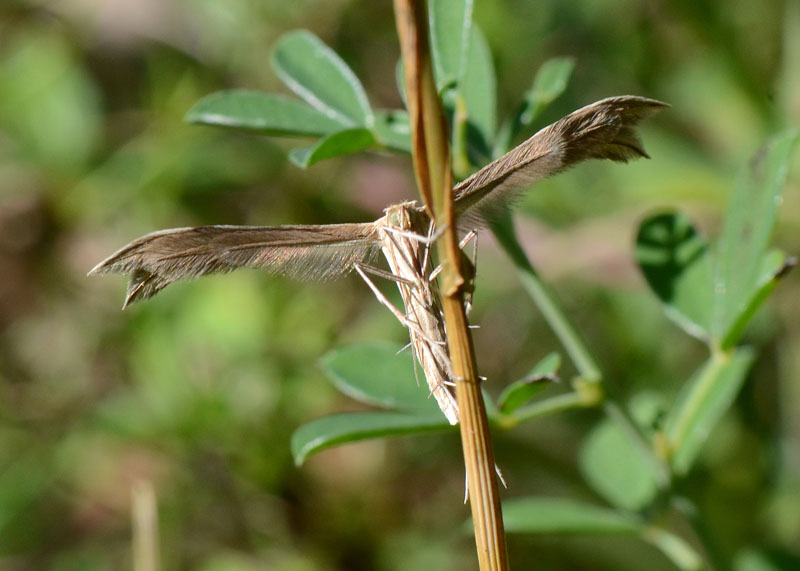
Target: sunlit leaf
520,392
616,467
392,130
378,374
702,402
336,429
450,23
340,143
563,516
676,262
478,89
551,80
262,112
318,75
749,223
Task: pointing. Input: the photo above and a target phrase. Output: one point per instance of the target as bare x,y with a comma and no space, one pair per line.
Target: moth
603,130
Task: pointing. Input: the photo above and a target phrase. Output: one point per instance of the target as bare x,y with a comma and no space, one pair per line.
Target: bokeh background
196,393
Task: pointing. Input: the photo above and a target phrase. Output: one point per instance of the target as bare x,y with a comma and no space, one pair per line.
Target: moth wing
306,252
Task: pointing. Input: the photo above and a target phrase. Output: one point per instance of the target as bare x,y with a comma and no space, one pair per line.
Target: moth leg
403,319
432,236
469,267
362,271
384,274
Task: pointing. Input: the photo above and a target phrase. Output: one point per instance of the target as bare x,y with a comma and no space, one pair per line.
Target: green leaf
341,143
261,112
702,402
775,265
519,392
478,89
319,76
330,431
550,515
746,234
676,263
378,374
550,82
615,467
450,22
392,130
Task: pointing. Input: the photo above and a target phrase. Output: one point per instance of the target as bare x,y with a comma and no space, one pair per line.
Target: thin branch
430,149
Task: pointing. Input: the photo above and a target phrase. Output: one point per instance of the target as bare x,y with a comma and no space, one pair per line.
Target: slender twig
144,514
431,154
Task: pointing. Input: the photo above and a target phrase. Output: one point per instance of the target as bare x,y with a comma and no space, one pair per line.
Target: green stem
587,367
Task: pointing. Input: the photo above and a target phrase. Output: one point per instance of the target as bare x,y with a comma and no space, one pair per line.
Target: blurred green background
197,392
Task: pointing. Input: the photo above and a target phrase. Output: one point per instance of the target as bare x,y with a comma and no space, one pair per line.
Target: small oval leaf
615,467
478,88
321,78
749,223
378,375
550,82
392,130
521,391
261,112
330,431
450,22
341,143
551,515
676,263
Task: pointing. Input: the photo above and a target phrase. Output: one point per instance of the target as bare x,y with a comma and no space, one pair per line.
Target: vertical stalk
144,514
431,155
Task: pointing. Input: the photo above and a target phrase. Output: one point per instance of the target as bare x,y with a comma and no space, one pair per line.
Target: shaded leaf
320,77
336,429
551,80
261,112
340,143
521,391
702,402
748,228
775,265
377,374
676,262
478,89
616,468
392,130
550,515
450,24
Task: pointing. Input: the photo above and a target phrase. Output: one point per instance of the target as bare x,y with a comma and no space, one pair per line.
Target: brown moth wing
309,252
602,130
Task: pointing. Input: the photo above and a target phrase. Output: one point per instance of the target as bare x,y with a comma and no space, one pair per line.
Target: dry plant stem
145,526
432,166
